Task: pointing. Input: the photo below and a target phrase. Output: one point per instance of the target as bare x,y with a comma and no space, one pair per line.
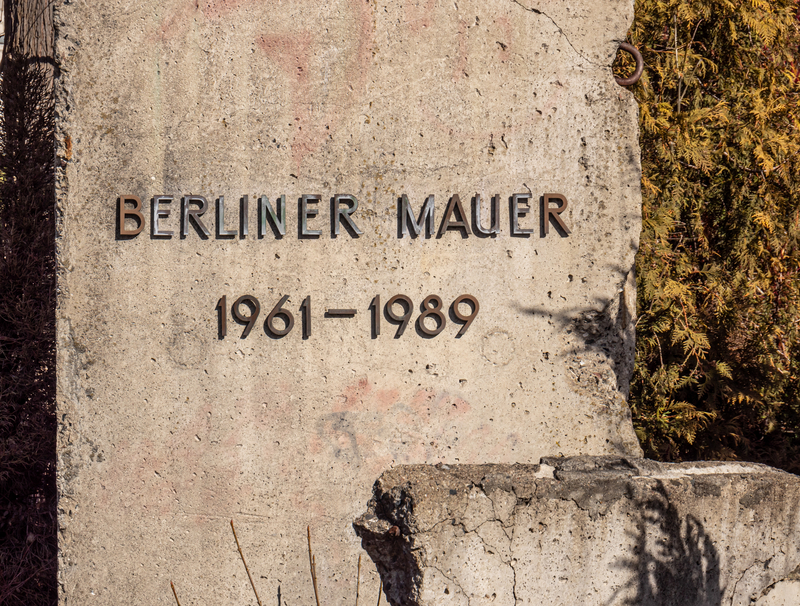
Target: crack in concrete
491,549
495,550
536,11
442,522
514,584
453,581
744,572
481,554
791,577
509,521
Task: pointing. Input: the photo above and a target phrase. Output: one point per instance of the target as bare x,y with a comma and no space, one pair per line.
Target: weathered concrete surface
785,592
167,431
586,530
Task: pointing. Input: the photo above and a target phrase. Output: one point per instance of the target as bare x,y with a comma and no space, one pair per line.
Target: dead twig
313,565
253,585
358,577
175,593
380,592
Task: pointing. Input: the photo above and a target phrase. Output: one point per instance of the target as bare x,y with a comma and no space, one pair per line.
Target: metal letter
264,208
135,212
495,215
307,213
221,231
461,223
550,212
305,308
159,213
244,211
409,224
518,211
195,214
375,306
345,213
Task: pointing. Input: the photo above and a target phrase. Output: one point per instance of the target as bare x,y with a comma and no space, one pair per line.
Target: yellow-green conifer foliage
718,270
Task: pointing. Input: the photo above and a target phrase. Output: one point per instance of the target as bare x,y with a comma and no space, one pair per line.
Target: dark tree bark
29,29
28,499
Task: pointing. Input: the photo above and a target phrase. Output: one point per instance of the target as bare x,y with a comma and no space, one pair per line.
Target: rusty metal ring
637,73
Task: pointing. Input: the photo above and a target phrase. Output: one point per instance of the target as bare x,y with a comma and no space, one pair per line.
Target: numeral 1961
280,320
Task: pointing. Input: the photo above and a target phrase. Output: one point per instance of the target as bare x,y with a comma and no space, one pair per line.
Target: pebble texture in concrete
167,430
586,530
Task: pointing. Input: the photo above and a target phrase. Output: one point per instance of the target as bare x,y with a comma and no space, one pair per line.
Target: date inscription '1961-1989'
429,323
131,216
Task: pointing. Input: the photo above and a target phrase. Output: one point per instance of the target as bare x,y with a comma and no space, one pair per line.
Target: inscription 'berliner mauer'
131,219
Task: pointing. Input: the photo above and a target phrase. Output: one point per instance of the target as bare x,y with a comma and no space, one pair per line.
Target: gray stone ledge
586,530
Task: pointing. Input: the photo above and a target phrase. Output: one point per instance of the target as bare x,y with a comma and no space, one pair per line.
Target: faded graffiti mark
325,73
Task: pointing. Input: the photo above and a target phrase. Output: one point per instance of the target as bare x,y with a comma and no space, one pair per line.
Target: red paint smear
219,8
419,18
386,398
421,402
293,53
353,396
158,476
460,65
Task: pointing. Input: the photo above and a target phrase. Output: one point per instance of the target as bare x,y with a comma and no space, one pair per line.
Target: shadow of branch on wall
674,560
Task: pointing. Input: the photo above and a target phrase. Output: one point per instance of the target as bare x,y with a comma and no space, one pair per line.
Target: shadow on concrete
380,531
674,562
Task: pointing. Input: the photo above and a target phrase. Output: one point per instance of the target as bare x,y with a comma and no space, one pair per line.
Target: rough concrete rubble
586,530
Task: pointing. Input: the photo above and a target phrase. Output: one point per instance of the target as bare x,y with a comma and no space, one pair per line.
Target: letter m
412,226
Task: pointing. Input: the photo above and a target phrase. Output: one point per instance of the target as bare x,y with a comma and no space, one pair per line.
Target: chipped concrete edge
418,506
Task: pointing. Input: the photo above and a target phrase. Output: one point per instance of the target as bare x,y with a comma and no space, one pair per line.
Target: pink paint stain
419,17
315,118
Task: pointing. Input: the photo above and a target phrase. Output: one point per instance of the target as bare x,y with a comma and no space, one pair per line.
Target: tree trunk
29,29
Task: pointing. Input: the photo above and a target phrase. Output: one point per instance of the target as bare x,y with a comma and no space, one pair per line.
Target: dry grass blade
253,585
358,578
175,593
313,565
380,592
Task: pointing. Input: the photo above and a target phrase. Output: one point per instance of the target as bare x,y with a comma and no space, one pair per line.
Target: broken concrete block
586,530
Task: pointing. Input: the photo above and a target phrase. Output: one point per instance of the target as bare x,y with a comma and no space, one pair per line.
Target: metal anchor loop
637,73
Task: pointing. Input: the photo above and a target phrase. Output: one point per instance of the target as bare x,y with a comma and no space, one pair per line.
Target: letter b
134,213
